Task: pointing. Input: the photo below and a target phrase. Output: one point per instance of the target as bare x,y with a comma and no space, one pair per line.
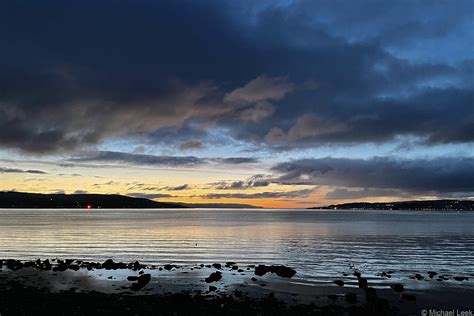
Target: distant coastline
35,200
427,205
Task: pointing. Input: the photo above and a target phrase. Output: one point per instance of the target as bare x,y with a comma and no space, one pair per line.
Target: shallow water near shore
321,245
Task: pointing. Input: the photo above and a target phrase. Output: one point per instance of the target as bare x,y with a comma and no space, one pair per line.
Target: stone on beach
142,280
419,277
339,282
431,274
109,264
14,264
281,271
213,277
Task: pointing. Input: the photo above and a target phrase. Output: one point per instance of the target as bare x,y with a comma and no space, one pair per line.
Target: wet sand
77,287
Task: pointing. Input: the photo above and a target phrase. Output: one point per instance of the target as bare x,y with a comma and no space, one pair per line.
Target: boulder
362,282
213,277
142,280
168,267
431,274
109,264
419,277
282,271
339,282
260,270
14,264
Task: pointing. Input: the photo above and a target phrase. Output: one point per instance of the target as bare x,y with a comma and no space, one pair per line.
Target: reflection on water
320,244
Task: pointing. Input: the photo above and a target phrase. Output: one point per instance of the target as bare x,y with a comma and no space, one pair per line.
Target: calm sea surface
319,244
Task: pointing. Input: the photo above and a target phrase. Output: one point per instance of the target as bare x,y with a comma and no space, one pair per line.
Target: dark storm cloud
80,192
153,160
345,194
14,170
78,73
138,159
236,160
381,175
261,195
149,196
255,181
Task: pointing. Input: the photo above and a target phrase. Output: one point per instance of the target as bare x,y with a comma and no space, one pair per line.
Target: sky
271,103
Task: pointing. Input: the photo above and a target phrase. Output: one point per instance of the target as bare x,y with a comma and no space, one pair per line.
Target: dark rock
212,288
235,268
109,264
419,277
254,279
168,267
74,267
47,265
240,270
132,278
431,274
362,282
217,266
62,266
386,275
29,264
229,264
460,278
356,273
397,287
213,277
137,266
282,271
351,298
14,264
260,270
339,282
142,280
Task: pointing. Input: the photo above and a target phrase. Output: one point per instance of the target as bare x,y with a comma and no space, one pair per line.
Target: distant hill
34,200
221,205
430,205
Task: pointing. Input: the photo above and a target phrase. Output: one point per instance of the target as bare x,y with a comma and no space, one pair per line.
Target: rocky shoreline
60,287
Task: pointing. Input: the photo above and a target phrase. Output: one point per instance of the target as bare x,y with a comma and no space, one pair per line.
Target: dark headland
426,205
36,200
